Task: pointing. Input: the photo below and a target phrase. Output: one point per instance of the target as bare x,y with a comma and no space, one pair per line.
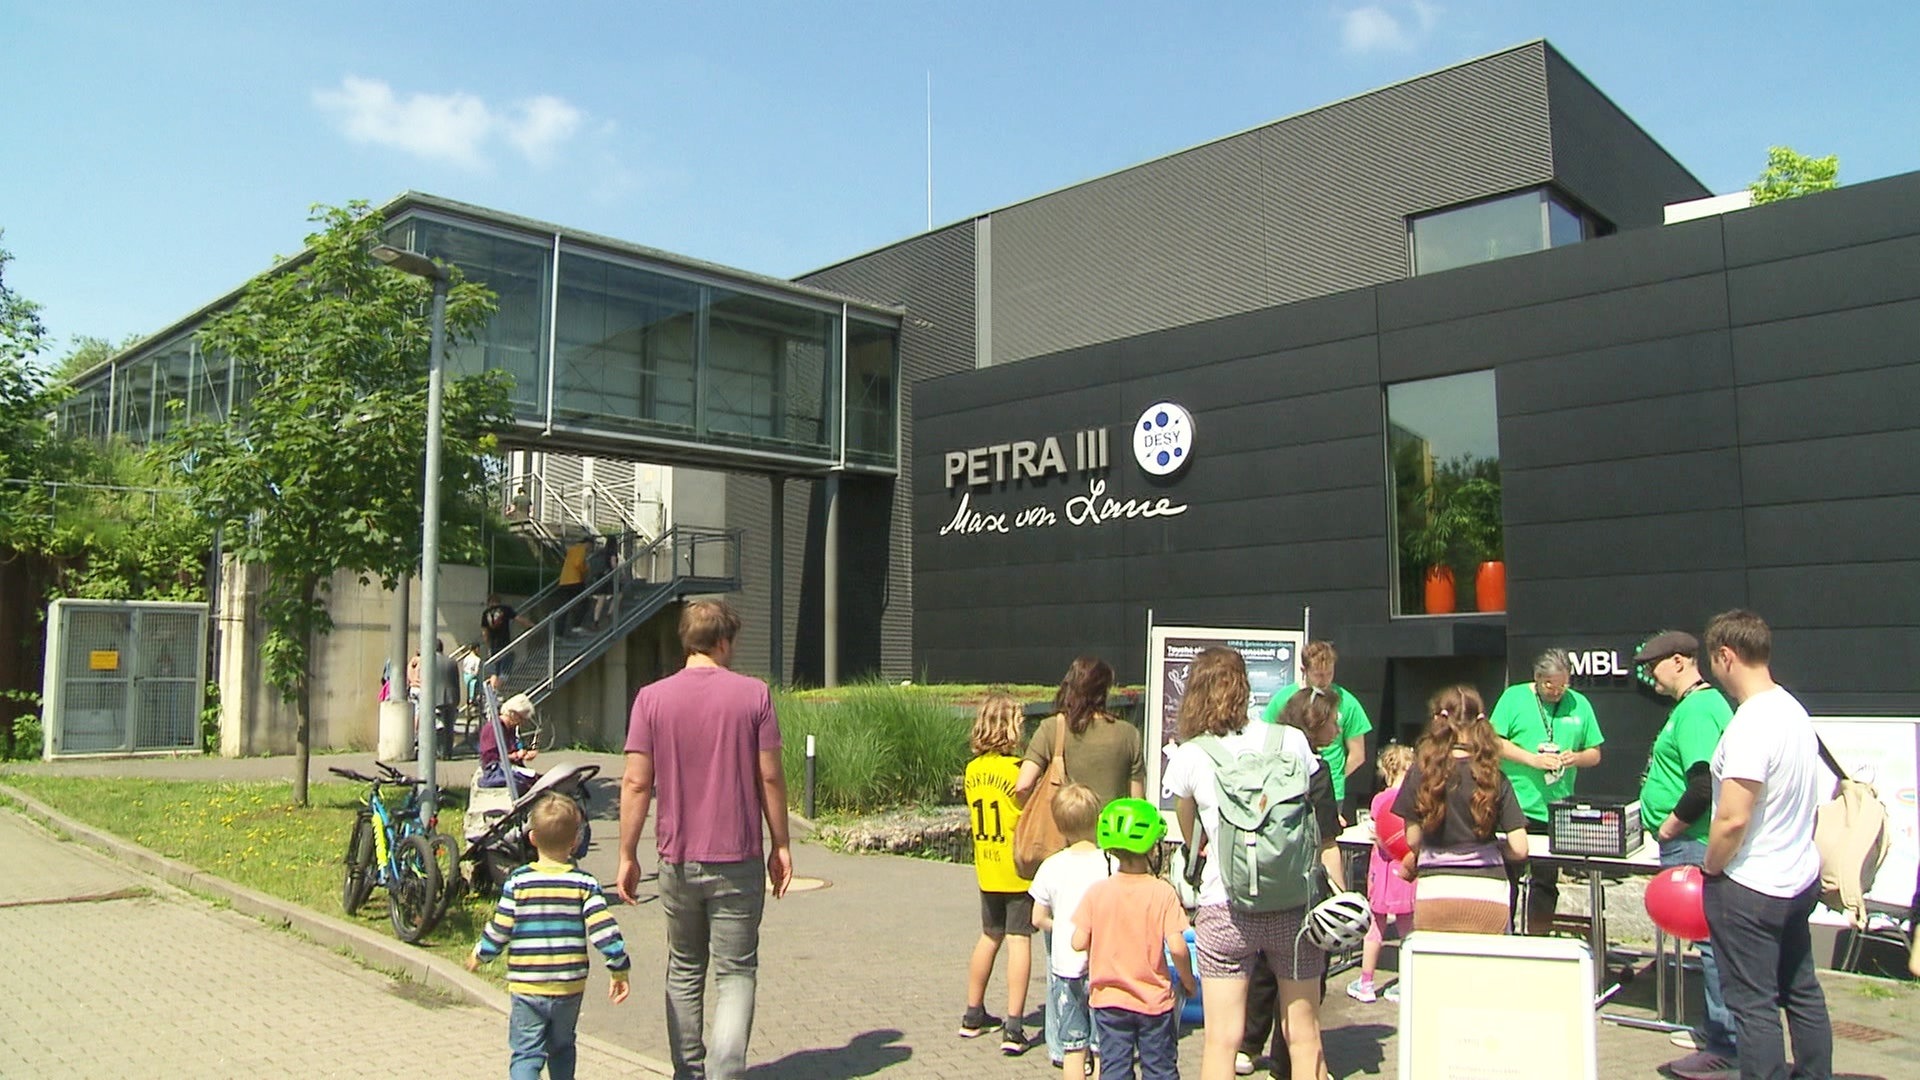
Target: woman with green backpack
1262,798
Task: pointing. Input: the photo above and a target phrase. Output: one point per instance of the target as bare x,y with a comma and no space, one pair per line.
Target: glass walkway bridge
615,350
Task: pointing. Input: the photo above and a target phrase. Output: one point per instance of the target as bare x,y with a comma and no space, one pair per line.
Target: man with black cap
1676,798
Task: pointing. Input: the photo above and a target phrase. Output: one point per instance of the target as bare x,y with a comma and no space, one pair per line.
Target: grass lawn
248,834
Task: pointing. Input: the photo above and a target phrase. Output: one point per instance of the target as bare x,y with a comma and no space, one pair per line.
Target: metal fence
123,677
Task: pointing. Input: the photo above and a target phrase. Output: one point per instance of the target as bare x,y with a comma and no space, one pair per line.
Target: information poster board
1491,1007
1273,661
1883,751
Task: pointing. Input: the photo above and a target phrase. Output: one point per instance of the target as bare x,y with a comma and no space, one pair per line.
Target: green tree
21,331
87,353
323,471
25,401
1789,175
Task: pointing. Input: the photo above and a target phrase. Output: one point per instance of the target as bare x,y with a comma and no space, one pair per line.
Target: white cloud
1374,28
542,125
458,127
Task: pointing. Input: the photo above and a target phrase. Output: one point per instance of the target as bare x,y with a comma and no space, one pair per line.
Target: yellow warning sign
103,660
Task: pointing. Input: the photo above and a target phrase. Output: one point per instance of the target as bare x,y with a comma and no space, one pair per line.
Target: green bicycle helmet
1130,825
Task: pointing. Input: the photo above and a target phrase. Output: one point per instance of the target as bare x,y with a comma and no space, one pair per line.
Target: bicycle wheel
359,877
446,859
414,894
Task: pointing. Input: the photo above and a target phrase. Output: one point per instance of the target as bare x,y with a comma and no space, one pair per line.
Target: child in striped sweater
549,910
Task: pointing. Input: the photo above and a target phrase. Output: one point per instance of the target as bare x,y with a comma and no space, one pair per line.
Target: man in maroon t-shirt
705,743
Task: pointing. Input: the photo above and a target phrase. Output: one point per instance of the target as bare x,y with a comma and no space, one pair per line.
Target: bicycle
399,850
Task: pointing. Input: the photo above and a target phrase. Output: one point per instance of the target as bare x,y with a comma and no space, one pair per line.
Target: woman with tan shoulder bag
1086,743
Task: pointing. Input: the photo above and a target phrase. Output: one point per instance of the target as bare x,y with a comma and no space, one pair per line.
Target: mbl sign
1594,664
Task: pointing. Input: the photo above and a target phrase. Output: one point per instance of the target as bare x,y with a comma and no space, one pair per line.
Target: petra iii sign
1162,444
1026,460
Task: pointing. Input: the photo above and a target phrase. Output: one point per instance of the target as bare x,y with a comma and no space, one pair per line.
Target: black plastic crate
1609,828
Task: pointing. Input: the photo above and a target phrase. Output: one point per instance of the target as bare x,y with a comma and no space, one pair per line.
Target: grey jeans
713,915
1765,951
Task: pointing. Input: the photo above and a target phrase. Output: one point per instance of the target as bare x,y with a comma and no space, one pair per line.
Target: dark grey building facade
1687,418
1691,418
1305,207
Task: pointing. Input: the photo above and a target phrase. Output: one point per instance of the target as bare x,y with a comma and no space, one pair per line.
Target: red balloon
1391,832
1677,902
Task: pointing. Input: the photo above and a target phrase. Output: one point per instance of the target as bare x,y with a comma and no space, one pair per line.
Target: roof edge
1539,42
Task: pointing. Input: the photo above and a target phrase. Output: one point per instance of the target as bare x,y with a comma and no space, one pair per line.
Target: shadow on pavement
864,1055
1357,1048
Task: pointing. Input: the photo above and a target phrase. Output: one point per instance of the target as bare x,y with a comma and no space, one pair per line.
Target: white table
1645,860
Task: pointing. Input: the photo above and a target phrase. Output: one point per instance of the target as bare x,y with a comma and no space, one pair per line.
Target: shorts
1230,940
1006,913
1073,1020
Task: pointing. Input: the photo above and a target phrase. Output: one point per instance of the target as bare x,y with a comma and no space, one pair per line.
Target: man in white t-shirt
1763,872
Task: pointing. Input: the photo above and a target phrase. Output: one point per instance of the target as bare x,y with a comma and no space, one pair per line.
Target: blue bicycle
398,850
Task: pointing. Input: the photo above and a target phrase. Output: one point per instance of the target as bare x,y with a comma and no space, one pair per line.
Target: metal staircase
682,561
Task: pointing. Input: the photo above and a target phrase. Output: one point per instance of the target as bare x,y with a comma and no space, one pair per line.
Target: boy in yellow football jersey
1006,911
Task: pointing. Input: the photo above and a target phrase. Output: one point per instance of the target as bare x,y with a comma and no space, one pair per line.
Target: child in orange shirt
1128,924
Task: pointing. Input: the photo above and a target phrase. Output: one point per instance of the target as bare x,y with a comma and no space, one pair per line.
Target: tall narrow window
1443,452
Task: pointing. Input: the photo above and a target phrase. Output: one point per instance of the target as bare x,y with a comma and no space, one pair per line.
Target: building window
517,271
1496,228
873,371
1443,452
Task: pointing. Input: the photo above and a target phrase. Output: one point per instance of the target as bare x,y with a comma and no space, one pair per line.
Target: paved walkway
866,976
111,973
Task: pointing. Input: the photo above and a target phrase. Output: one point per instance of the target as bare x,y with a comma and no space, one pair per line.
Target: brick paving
159,983
863,977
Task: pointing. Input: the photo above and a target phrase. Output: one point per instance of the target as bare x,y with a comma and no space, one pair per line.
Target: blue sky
158,154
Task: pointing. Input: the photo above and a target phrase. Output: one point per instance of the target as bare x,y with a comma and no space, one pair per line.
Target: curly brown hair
1459,719
1216,699
1315,712
1083,692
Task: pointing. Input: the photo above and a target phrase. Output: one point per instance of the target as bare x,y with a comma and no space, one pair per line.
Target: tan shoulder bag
1036,836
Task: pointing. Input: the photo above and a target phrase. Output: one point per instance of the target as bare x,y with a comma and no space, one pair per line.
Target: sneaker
1704,1065
1242,1065
1361,990
1013,1041
1391,993
977,1023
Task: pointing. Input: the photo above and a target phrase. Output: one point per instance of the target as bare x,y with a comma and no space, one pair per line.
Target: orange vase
1439,590
1490,587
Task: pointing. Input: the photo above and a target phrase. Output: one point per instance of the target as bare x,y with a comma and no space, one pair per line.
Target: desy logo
1163,439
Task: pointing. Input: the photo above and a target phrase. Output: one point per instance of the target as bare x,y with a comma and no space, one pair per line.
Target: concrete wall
347,662
592,708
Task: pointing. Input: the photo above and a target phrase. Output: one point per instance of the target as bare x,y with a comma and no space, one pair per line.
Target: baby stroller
496,824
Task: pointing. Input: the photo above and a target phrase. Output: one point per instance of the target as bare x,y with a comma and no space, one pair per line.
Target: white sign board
1883,751
1273,661
1491,1007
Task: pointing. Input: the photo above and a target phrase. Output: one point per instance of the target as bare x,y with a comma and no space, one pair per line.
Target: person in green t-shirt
1678,794
1529,716
1348,751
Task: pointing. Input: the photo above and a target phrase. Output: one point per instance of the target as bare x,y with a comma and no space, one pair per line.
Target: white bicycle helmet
1339,922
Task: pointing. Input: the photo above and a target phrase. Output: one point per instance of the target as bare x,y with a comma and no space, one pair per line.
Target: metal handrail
637,590
541,494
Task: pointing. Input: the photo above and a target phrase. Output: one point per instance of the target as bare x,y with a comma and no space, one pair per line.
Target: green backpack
1269,839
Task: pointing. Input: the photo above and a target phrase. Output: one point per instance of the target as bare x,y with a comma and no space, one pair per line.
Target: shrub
876,746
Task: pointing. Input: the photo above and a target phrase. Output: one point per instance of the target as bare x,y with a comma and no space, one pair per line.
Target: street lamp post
426,720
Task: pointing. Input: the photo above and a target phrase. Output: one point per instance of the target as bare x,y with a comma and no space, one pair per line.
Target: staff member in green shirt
1348,751
1547,734
1678,793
